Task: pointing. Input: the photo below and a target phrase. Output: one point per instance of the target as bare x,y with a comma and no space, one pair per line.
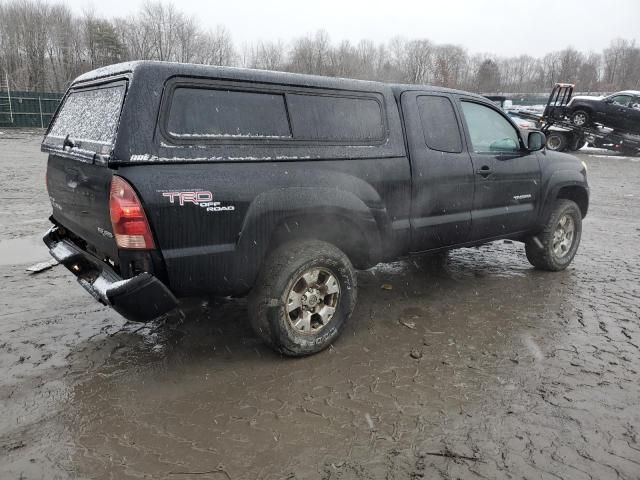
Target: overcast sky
503,27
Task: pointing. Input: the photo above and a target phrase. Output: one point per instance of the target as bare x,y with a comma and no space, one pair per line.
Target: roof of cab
399,88
169,69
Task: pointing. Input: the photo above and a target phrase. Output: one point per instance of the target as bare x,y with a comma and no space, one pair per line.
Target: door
507,176
442,173
634,115
618,111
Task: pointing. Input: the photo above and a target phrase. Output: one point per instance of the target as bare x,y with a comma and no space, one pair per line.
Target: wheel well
583,108
334,229
578,195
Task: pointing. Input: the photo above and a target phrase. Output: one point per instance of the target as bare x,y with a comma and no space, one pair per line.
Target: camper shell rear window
216,112
89,117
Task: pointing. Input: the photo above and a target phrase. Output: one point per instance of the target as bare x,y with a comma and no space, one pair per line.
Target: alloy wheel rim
312,299
563,236
579,119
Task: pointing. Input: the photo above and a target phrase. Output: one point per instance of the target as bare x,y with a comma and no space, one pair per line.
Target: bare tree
416,62
216,47
268,55
448,64
163,22
44,46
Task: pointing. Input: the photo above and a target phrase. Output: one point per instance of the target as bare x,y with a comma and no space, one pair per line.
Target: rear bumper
140,298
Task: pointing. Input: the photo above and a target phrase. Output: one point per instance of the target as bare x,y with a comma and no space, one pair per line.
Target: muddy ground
520,374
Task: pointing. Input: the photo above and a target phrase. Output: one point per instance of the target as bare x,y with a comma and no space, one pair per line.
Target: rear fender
270,211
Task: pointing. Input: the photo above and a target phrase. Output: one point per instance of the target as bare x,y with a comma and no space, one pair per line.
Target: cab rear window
89,116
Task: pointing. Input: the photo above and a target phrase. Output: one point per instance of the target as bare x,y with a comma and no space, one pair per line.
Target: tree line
44,46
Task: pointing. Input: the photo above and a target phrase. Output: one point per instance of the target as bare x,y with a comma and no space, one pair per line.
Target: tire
556,141
283,317
545,251
580,118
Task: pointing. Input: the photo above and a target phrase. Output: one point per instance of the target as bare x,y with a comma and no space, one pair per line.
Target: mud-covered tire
556,141
280,272
541,251
581,118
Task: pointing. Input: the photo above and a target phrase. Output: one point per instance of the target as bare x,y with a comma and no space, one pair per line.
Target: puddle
21,250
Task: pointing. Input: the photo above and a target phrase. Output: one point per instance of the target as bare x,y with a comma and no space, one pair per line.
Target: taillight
129,222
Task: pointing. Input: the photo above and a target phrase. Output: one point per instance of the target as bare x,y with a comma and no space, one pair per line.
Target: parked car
171,180
522,122
618,111
519,119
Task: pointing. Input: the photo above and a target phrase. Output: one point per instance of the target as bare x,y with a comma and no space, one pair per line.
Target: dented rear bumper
140,298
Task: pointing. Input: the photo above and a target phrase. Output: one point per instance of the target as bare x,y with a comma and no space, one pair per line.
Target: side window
635,103
439,124
489,131
622,100
209,113
329,118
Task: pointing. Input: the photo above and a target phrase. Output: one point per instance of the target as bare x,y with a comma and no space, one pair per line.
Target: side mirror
536,141
608,100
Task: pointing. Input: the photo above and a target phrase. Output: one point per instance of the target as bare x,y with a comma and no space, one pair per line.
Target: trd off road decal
201,198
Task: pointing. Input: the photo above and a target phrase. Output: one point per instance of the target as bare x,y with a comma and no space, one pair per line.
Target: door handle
484,171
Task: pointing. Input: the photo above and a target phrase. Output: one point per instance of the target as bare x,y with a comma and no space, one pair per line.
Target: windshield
89,116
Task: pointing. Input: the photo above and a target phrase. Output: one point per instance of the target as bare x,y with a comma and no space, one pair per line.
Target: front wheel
580,118
553,249
305,293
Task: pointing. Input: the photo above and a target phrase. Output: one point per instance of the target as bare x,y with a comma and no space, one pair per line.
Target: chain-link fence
27,109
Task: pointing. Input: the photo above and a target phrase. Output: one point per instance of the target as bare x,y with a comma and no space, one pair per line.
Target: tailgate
79,194
79,142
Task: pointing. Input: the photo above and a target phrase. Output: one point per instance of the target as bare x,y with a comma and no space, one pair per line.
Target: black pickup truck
171,180
620,111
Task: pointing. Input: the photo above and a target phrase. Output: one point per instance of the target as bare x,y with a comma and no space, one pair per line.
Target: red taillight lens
129,222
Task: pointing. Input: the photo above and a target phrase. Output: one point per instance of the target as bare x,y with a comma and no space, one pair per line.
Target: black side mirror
536,141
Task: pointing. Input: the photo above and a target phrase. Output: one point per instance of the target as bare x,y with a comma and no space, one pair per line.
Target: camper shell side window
236,113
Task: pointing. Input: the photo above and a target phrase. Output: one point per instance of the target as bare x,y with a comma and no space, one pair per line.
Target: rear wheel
556,141
553,249
580,118
304,295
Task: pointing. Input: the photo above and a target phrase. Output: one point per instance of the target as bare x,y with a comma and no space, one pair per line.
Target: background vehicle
618,111
290,185
569,122
522,121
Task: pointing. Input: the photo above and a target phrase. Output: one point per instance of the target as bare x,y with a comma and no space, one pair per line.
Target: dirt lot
520,374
